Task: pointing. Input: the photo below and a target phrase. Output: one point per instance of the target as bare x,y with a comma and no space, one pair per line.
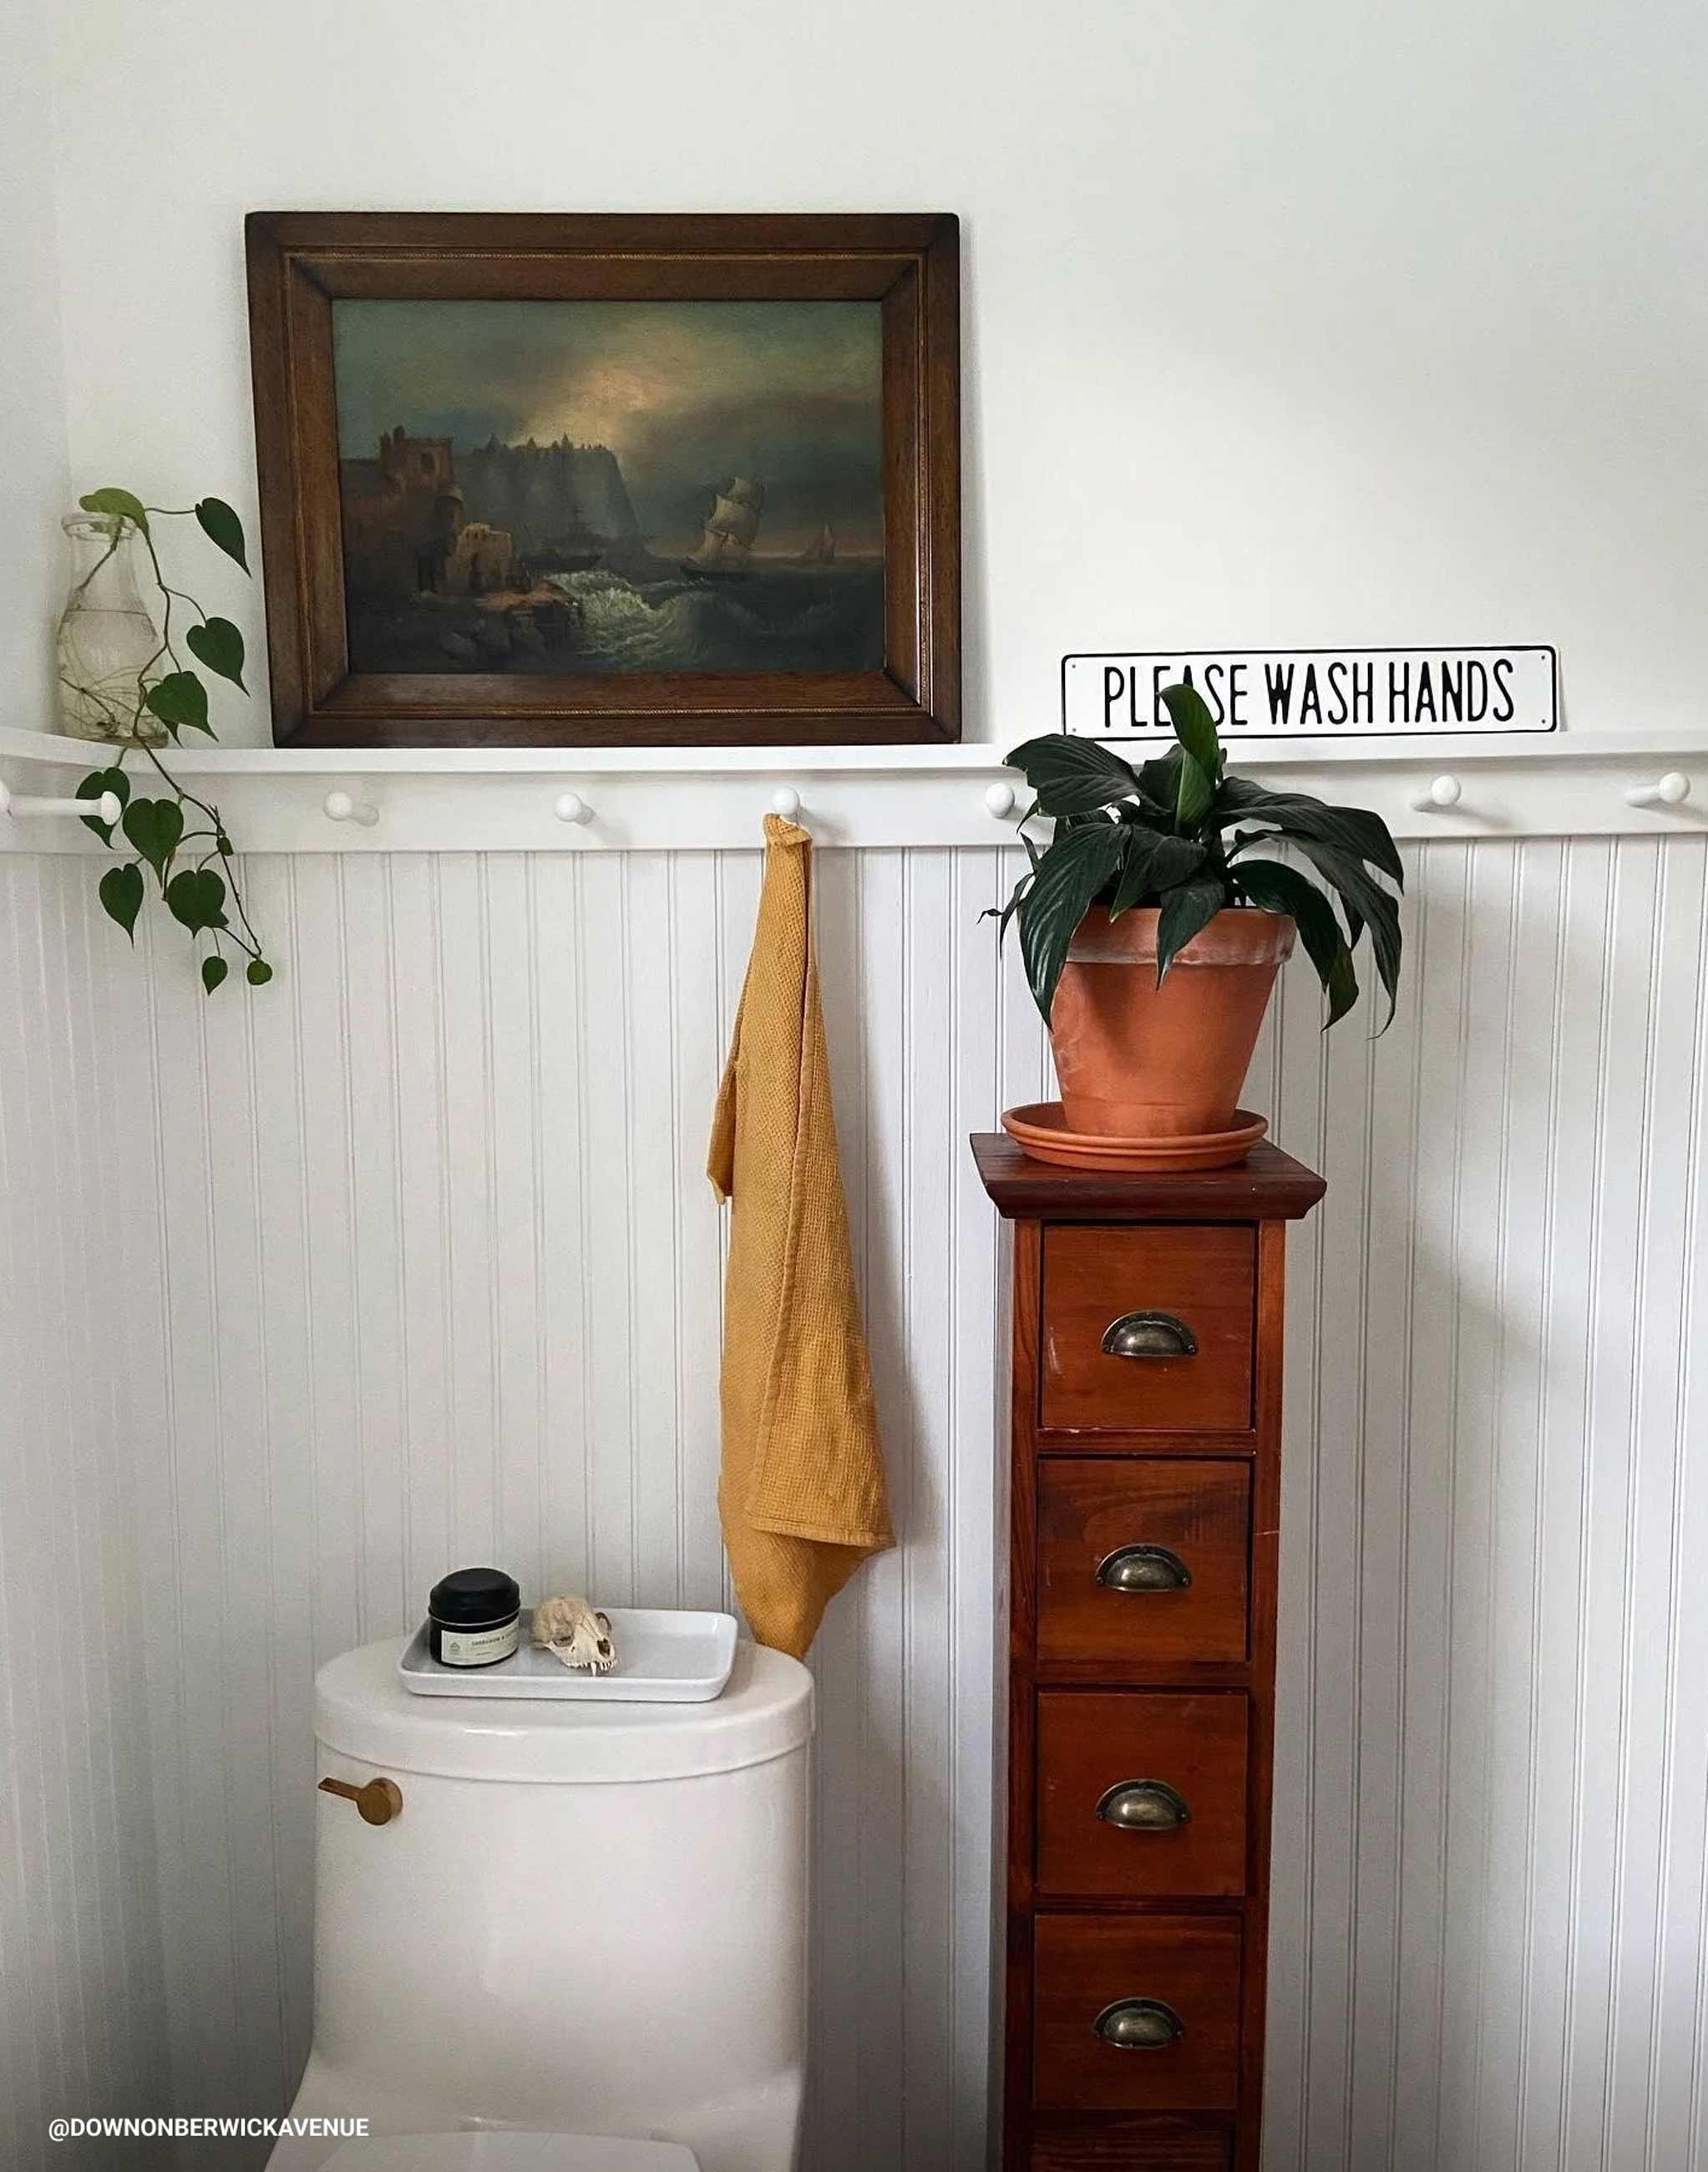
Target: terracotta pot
1137,1061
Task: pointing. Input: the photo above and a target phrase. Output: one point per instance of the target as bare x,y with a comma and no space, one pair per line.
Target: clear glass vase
107,641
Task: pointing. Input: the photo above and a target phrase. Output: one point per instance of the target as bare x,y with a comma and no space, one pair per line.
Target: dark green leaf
180,700
92,786
1365,901
1159,781
218,643
1152,863
154,826
1185,910
1069,877
213,972
1072,775
1189,713
1196,795
116,505
1280,889
1004,914
221,525
257,972
1298,814
120,892
197,897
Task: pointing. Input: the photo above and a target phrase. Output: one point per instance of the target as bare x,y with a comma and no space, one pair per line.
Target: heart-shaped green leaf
92,786
213,972
218,643
116,505
154,826
197,897
221,525
180,700
257,972
120,892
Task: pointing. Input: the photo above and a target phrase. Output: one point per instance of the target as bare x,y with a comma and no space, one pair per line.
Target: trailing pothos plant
178,838
1182,835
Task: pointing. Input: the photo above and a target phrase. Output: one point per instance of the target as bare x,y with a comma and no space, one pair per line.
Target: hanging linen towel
801,1492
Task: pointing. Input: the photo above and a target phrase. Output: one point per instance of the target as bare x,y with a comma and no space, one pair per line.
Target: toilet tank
586,1916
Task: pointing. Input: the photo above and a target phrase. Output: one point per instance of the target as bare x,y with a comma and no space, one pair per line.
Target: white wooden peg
340,807
999,801
570,807
105,808
1437,796
1671,790
787,802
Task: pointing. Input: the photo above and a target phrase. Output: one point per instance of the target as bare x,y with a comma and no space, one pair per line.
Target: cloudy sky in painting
686,394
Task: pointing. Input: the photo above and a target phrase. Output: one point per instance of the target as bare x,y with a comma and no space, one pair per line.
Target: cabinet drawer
1124,2145
1141,1792
1177,1975
1187,1367
1116,1537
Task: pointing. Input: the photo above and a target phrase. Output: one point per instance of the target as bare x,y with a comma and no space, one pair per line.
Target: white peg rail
106,808
1671,790
340,807
496,799
1443,792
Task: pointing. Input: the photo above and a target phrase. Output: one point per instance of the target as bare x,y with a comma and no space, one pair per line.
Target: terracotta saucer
1041,1133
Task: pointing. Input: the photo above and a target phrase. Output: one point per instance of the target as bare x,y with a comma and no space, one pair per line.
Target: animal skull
575,1632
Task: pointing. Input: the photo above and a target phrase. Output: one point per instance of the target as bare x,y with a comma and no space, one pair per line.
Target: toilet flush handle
379,1801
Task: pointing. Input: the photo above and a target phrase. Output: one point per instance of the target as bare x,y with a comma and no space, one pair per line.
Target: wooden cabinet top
1268,1186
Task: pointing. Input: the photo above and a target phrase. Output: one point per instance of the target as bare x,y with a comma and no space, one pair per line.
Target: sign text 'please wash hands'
1316,693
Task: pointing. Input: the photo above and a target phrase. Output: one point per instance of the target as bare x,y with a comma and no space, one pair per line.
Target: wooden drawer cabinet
1142,1559
1148,1331
1146,1486
1137,2013
1141,1793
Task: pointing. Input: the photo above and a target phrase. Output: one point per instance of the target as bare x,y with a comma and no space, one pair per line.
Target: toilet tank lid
363,1711
495,2151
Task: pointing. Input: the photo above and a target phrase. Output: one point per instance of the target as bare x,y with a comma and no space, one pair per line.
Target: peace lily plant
1171,865
178,838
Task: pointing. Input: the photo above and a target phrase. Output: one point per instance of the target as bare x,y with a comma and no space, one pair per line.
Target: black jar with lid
473,1618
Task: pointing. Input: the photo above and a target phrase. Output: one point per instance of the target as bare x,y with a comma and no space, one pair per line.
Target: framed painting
607,480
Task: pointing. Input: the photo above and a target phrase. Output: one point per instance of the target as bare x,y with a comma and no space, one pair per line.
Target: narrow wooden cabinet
1145,1447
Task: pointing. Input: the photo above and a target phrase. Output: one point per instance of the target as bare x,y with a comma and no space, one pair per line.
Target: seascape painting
596,487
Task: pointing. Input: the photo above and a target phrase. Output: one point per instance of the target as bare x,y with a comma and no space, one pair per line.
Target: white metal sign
1316,693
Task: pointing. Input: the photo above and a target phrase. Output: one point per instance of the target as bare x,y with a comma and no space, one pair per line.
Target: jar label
479,1648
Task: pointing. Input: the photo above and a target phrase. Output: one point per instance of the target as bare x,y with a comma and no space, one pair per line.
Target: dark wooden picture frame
301,262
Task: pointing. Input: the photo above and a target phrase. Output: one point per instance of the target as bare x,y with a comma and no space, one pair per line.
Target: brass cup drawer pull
1140,2024
1144,1806
379,1801
1149,1334
1140,1568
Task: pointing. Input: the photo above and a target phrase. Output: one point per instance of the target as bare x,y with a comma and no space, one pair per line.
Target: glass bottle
107,641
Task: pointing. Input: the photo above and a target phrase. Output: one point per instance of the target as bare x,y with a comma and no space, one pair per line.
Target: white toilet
577,1944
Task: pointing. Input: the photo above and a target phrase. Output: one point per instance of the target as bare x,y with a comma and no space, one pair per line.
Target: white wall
83,2021
1328,322
32,388
400,1245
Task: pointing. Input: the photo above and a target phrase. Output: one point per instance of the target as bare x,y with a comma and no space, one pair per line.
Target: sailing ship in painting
822,550
732,529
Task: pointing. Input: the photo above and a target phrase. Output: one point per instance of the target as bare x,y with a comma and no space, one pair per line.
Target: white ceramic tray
663,1657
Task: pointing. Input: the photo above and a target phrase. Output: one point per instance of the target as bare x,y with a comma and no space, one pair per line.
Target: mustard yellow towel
802,1492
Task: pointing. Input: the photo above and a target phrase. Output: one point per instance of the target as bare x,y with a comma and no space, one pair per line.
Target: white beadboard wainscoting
409,1260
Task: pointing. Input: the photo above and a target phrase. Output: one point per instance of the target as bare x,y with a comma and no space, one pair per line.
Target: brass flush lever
379,1801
